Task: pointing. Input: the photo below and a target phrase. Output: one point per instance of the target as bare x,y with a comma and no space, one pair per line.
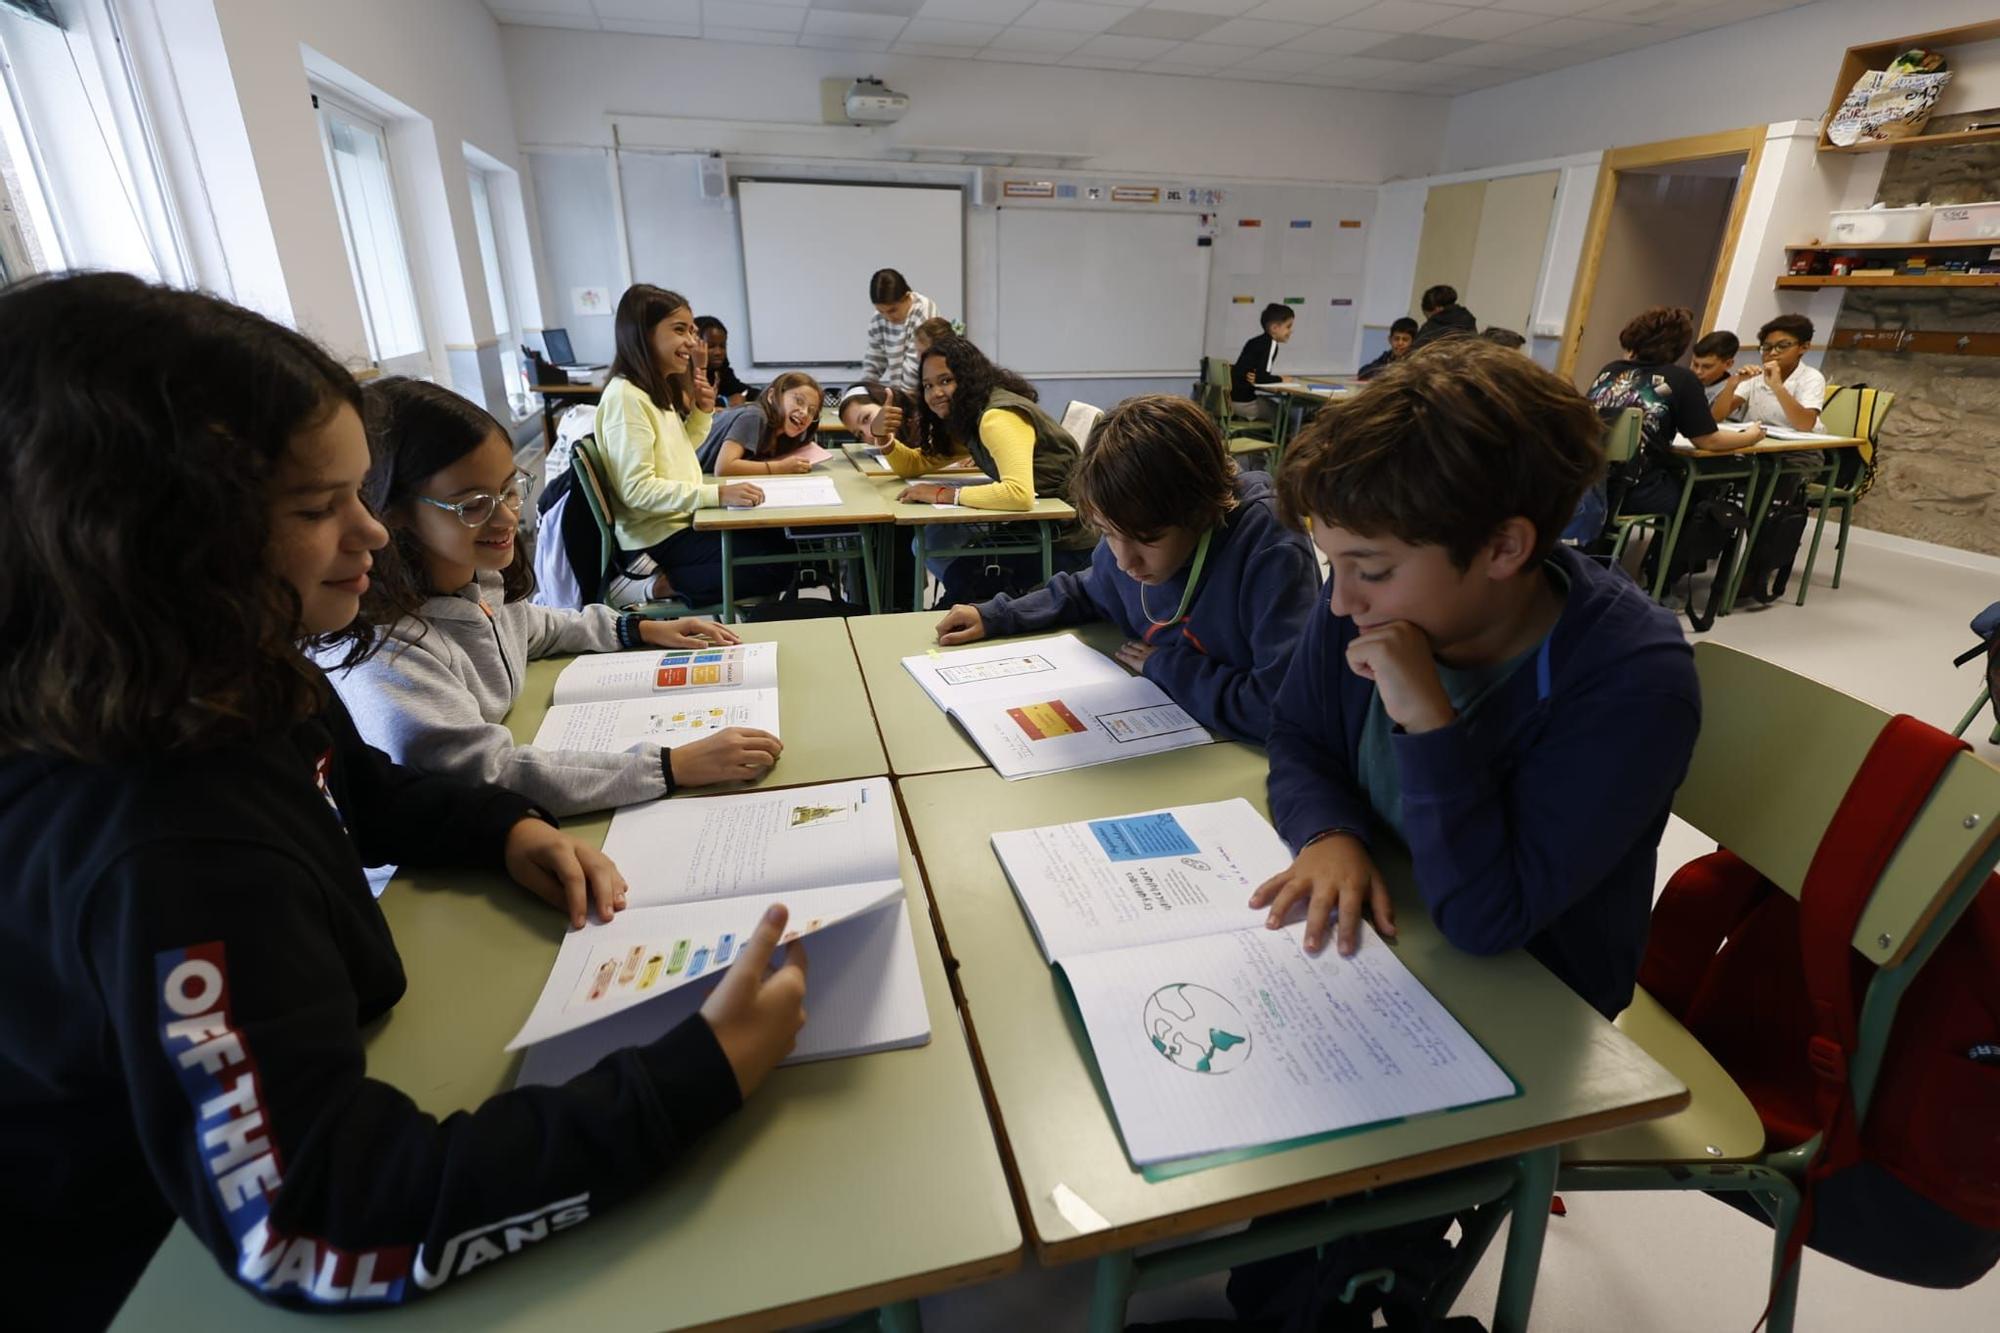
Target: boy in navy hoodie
1463,689
1194,566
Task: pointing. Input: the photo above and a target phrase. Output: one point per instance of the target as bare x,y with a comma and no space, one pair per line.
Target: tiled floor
1671,1263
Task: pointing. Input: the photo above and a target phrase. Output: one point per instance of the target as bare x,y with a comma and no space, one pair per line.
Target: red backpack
1772,988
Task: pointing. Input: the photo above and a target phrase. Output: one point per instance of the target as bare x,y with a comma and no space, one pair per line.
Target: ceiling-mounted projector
868,102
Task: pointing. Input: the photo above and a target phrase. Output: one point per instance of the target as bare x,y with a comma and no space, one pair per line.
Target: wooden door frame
1749,142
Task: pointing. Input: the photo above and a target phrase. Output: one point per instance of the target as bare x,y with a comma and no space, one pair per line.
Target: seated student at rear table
729,390
1402,334
973,408
1444,317
1194,567
1713,359
1254,363
771,437
1458,691
656,404
1779,390
448,604
1500,337
188,948
1670,402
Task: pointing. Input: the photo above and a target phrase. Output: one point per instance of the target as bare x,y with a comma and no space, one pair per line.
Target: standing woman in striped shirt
892,334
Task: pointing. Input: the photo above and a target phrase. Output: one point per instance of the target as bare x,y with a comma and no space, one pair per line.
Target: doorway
1663,228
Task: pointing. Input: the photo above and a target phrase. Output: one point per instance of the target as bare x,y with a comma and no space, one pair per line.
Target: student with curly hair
188,948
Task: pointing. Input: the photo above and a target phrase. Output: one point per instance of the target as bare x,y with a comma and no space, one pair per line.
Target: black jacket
188,952
1452,320
1250,368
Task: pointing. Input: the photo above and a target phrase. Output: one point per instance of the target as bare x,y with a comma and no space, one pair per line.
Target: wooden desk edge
1322,1188
922,515
806,516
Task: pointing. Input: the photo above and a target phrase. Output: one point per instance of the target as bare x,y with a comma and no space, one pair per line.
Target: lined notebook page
863,993
1231,1041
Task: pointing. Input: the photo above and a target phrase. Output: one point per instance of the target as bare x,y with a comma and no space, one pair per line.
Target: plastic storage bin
1966,222
1865,226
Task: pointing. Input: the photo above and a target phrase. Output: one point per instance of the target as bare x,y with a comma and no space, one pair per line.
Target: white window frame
508,330
415,363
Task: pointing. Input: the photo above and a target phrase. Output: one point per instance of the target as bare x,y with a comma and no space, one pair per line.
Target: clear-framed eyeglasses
477,509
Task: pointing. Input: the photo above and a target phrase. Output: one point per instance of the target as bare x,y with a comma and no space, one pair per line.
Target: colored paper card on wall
1295,300
1029,189
1350,222
1301,224
1065,192
1249,222
1343,300
1243,300
1135,194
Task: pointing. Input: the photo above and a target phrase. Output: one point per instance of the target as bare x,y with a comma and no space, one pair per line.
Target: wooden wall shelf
1833,247
1928,280
1936,342
1877,55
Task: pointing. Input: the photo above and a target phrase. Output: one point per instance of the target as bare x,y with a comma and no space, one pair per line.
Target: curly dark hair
416,429
640,311
976,379
145,428
1658,335
1441,449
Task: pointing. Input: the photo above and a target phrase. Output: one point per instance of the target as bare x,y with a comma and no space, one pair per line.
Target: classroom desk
861,506
556,397
823,714
1768,462
764,1226
1578,1074
1294,399
930,521
916,733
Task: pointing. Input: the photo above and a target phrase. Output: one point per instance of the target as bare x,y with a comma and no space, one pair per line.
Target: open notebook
1036,706
868,460
701,872
616,701
1210,1031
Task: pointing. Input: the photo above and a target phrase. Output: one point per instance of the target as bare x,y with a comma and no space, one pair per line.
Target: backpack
1768,567
1709,533
1913,1193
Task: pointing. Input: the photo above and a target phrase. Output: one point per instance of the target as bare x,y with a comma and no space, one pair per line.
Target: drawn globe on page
1197,1028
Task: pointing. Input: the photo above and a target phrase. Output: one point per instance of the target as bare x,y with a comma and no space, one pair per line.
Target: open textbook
1212,1032
700,872
1036,706
868,460
617,701
796,492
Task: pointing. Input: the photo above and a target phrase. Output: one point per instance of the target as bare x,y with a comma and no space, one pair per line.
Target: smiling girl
772,437
450,608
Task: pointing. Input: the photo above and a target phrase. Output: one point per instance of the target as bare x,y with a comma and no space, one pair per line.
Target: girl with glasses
449,605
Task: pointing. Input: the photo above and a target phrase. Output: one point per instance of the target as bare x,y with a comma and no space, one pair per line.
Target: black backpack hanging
1710,532
1769,564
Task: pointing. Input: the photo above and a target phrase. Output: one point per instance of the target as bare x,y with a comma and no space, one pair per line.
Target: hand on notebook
1132,656
756,1016
686,632
927,493
741,494
961,624
568,875
1397,657
1334,877
734,754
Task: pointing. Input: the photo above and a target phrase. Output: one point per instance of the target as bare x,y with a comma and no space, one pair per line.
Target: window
504,327
357,158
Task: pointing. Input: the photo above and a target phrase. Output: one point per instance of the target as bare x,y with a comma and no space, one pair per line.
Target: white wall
1777,68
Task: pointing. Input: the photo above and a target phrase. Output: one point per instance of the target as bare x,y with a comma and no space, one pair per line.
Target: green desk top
1081,1194
919,737
861,501
842,1185
823,715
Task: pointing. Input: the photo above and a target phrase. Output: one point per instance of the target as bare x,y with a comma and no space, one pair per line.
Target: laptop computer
561,354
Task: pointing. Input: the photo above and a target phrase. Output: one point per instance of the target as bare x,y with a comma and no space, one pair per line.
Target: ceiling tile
975,11
1037,40
870,27
1566,32
1020,57
647,28
906,48
1164,23
901,9
1079,61
1361,68
1632,39
549,8
650,11
1226,8
1285,60
1485,24
1549,7
537,18
1420,46
1492,55
1402,16
949,32
1206,55
1254,32
1338,41
1307,11
767,17
1137,49
1070,17
834,42
1645,11
749,36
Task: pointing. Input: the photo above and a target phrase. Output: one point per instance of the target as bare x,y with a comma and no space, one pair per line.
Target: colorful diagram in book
1040,722
618,970
715,666
604,677
1196,1029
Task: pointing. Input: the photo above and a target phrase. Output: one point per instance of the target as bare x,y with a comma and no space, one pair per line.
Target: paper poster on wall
1240,324
1243,247
1305,248
1029,189
1135,194
590,300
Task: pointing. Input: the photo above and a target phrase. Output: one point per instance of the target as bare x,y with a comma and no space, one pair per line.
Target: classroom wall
1777,67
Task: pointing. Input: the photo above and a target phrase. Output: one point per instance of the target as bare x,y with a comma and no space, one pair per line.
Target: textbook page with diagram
699,881
618,701
1210,1031
1036,706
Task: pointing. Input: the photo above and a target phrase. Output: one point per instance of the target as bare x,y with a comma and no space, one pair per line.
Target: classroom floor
1671,1263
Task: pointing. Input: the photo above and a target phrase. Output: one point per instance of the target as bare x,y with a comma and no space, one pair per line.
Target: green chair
588,470
1621,445
1244,435
1857,413
1769,803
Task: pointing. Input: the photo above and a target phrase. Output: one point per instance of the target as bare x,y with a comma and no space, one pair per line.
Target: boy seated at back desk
1461,687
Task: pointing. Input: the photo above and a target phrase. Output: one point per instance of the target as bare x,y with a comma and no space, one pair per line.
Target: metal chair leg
1812,555
1840,548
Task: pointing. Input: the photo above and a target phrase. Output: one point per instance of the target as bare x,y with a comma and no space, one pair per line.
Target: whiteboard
810,247
1094,293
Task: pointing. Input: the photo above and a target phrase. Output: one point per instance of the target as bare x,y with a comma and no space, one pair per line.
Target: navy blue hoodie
1225,661
1536,823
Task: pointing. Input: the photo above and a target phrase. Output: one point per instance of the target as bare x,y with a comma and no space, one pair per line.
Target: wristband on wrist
628,630
667,768
1324,834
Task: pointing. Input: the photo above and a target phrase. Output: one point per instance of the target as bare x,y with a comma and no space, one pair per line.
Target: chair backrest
1776,754
1079,419
1622,434
1215,372
589,470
